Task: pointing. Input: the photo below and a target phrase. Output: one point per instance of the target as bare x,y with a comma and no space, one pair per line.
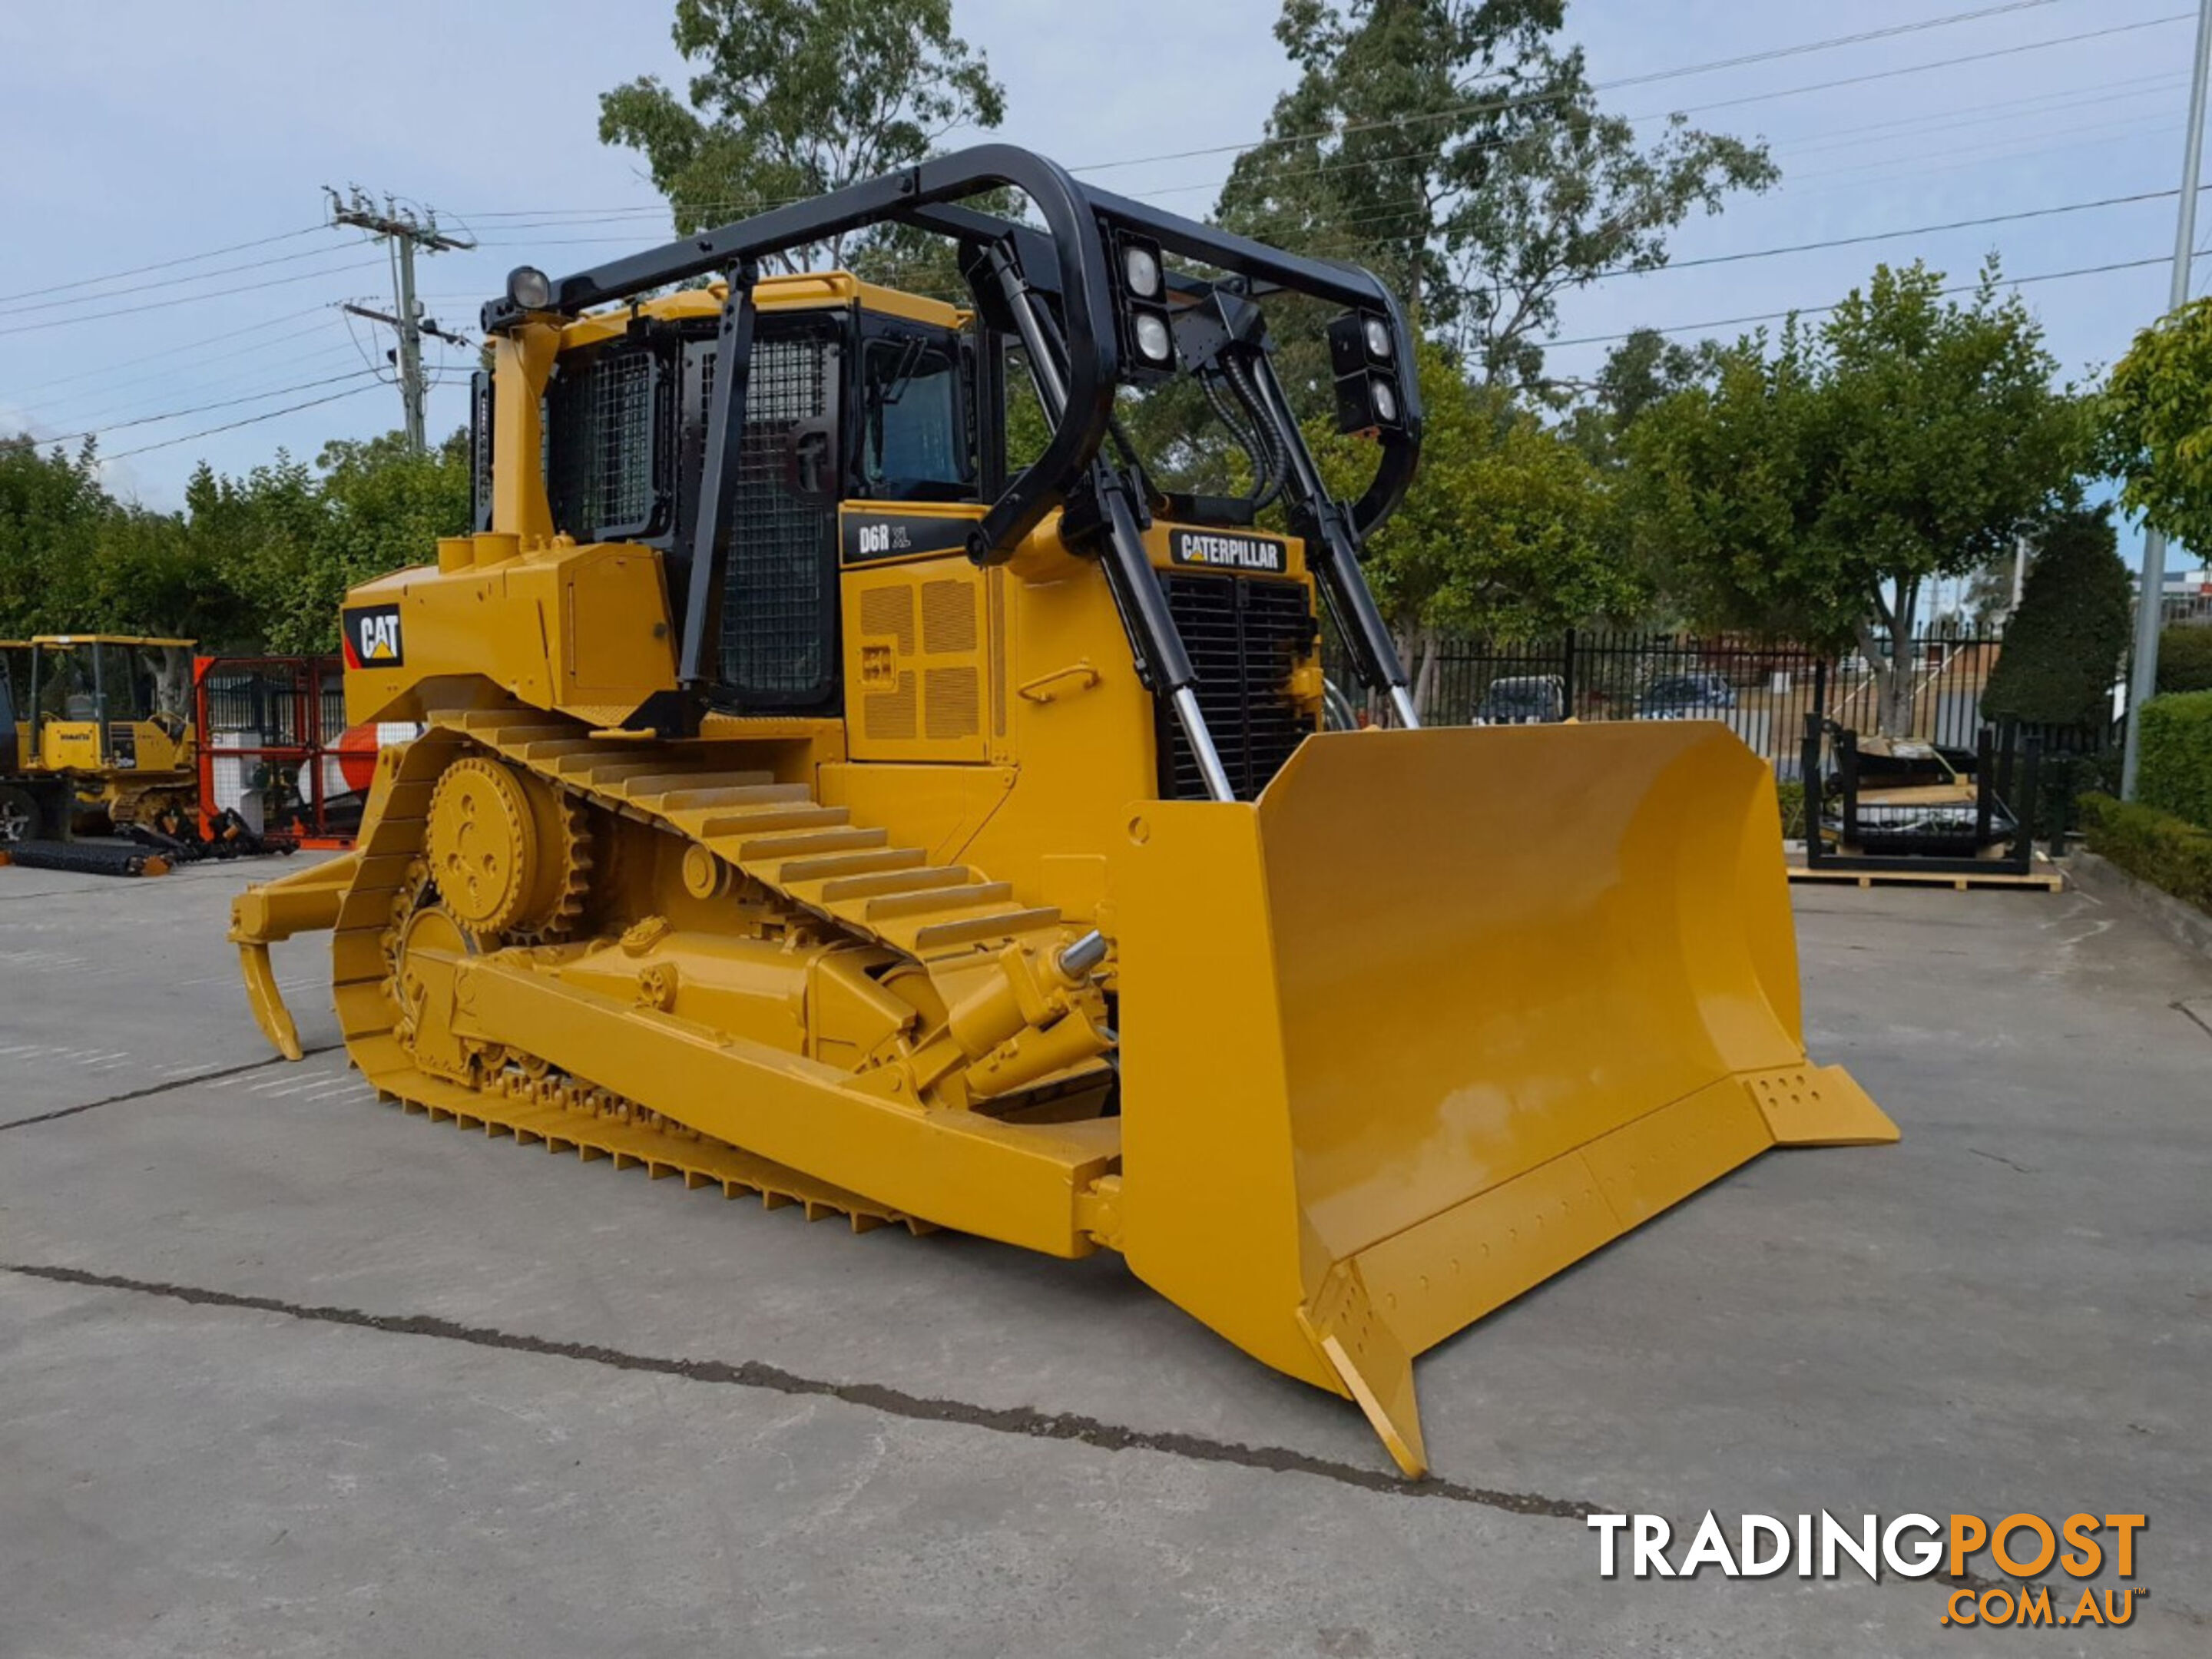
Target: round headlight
1378,339
1152,340
529,288
1140,269
1386,400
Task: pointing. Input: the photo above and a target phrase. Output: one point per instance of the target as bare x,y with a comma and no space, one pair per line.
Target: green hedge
1791,796
2185,659
2176,772
2155,846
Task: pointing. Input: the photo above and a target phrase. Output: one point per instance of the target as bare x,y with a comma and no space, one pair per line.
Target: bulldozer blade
1441,1013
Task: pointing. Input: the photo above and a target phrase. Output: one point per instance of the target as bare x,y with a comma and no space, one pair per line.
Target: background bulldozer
815,799
93,740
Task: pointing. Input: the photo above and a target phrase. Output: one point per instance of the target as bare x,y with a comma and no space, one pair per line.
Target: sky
142,133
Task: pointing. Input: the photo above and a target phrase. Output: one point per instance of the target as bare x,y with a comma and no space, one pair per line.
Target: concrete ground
284,1372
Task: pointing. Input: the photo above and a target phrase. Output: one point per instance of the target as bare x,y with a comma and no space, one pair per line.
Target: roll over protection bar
1070,261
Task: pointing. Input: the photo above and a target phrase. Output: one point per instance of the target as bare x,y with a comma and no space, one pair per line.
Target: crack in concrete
1026,1421
1999,1157
2187,1010
153,1088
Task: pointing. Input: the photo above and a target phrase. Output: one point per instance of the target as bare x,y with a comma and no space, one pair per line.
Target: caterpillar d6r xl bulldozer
812,801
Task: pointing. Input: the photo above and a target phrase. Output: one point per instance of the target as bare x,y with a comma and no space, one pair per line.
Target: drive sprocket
508,852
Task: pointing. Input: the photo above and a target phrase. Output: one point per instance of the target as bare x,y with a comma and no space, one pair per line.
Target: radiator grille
889,716
779,608
948,617
890,611
1244,636
952,703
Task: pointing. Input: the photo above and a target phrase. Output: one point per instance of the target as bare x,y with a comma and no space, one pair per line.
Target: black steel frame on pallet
1994,775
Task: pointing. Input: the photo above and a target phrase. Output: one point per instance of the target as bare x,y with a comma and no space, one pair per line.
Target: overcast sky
143,131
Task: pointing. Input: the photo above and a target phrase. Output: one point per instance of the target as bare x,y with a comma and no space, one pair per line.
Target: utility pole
400,227
2150,597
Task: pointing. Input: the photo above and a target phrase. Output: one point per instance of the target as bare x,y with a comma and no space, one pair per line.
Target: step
798,843
834,865
504,721
605,773
745,798
639,788
538,751
970,930
845,888
892,905
793,814
506,739
599,754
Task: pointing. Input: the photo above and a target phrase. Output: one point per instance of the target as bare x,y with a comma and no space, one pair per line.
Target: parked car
1524,700
1685,696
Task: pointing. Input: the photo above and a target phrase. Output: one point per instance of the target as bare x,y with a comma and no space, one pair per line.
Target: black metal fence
1761,690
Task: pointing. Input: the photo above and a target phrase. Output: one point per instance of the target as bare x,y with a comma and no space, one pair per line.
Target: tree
2154,425
794,98
52,513
2185,659
1642,370
1814,490
1456,148
1505,534
291,539
2063,651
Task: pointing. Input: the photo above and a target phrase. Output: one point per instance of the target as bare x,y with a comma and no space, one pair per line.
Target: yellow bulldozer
813,799
93,736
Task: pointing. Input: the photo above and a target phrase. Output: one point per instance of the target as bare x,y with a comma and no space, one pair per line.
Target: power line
220,270
1798,49
233,425
1854,178
161,265
2062,99
1494,105
125,400
1963,154
1892,235
2131,89
1819,311
2055,209
558,217
1866,79
178,413
135,308
187,347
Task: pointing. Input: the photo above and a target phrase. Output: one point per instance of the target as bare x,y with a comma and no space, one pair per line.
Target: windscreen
914,440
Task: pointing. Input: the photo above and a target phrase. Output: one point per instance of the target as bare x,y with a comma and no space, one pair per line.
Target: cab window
127,684
913,440
66,691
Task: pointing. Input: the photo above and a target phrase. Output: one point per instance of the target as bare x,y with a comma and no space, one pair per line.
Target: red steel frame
299,682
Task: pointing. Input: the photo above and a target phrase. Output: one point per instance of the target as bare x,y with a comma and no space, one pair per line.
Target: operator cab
99,700
855,393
